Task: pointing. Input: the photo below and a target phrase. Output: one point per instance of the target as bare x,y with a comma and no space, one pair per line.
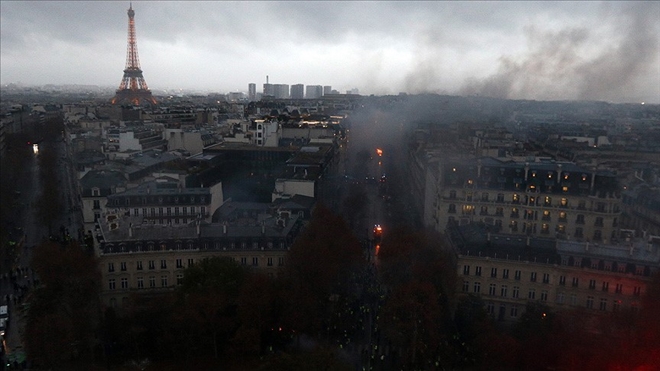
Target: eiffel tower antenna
132,89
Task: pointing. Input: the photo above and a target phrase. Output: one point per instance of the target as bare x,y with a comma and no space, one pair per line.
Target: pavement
15,285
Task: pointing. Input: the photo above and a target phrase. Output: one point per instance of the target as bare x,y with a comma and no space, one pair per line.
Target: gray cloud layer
535,50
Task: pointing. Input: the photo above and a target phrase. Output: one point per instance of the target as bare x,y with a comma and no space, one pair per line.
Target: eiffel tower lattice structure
133,89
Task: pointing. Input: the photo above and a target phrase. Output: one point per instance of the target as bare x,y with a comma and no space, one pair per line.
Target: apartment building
137,258
164,201
537,197
509,271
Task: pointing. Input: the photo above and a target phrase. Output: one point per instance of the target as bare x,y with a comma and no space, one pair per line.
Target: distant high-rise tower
252,92
133,89
297,91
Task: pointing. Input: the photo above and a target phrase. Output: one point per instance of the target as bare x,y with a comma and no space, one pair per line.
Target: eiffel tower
133,89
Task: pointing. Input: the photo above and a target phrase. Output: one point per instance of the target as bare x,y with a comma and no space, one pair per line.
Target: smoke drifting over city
588,51
557,66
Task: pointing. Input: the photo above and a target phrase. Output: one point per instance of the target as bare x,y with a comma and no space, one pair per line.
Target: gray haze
529,50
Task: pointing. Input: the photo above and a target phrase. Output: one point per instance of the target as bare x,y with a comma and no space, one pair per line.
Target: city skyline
532,50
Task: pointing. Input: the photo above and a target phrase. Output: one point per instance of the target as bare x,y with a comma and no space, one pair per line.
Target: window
191,262
243,261
603,304
490,308
122,266
573,299
598,234
582,205
477,271
544,295
500,197
560,298
270,262
546,278
466,270
514,311
579,233
562,216
513,226
503,291
179,279
484,196
493,272
452,194
616,305
517,275
280,261
140,282
532,294
255,262
579,219
562,280
152,281
545,228
592,284
563,202
606,286
452,209
491,289
477,287
598,222
515,293
111,284
163,281
515,198
124,283
152,264
111,267
179,263
546,215
505,273
514,212
575,282
532,277
499,211
619,288
96,192
590,302
637,291
466,286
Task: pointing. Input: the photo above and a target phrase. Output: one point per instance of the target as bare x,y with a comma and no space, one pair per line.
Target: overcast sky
530,50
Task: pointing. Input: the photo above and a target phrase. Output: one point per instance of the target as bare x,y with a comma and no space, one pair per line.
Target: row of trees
322,311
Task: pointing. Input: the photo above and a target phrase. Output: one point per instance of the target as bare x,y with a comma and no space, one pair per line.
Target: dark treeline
327,309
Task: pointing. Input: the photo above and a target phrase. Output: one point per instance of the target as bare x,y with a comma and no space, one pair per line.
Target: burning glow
379,151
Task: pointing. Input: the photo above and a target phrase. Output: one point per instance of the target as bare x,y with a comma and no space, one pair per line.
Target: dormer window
96,192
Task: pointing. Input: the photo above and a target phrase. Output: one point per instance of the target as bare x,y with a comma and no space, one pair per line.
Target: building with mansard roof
509,271
533,197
